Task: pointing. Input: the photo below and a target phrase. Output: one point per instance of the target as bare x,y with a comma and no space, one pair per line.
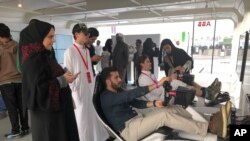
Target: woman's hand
69,77
173,76
180,68
167,79
160,83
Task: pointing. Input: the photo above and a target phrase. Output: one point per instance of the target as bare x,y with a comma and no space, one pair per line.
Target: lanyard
84,62
154,80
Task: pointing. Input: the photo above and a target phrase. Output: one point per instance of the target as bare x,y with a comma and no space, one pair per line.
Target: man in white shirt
77,60
98,51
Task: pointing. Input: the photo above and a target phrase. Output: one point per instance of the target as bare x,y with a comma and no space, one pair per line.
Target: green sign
183,36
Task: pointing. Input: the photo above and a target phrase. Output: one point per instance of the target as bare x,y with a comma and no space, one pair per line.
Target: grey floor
5,128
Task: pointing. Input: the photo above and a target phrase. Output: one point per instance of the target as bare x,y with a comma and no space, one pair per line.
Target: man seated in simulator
117,108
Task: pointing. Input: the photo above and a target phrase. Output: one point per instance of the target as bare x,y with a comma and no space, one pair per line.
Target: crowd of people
59,98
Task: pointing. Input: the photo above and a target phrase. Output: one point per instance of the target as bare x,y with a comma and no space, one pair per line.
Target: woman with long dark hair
108,45
174,58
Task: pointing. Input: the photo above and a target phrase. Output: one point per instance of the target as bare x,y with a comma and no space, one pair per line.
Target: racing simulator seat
161,134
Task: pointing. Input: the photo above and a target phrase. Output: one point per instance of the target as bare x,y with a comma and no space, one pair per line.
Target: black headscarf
41,90
180,57
108,44
147,46
168,42
34,58
34,33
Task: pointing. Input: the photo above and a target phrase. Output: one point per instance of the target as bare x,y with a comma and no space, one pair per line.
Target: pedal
233,116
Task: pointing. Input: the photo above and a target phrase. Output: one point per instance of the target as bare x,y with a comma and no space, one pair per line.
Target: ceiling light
20,4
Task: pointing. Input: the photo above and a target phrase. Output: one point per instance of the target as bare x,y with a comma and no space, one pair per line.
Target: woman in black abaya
174,58
45,86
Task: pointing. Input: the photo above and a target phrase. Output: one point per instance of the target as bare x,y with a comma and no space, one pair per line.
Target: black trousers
136,74
12,96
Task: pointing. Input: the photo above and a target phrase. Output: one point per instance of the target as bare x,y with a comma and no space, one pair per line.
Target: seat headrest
99,86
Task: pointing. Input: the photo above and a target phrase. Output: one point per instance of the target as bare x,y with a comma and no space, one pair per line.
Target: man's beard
169,53
116,86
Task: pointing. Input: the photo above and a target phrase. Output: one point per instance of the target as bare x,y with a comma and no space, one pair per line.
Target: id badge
89,77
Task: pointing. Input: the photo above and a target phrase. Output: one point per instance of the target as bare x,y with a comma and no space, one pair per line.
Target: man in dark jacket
93,33
120,57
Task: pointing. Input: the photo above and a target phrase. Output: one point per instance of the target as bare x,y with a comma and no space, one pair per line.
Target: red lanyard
154,80
84,62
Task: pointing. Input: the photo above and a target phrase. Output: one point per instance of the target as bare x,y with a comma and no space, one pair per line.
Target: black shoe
133,85
25,132
13,135
221,97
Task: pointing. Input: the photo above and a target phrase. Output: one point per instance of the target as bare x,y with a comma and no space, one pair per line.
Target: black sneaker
13,135
25,132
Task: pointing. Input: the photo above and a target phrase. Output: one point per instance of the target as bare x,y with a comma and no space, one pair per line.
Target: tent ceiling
109,12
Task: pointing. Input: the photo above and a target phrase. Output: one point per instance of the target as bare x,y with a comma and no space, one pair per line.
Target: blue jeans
2,105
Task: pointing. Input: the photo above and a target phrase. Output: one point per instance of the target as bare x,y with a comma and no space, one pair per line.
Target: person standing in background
98,51
77,59
45,86
150,49
139,48
108,45
131,53
98,48
120,57
11,84
174,59
93,33
105,58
